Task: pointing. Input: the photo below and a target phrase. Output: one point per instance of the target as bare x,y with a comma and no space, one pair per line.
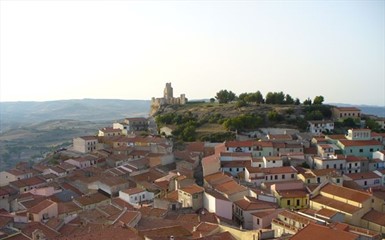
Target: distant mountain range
15,113
366,109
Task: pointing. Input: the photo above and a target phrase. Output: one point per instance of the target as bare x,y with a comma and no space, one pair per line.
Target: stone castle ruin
167,99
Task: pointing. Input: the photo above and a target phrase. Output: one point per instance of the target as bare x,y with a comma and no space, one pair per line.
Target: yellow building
292,199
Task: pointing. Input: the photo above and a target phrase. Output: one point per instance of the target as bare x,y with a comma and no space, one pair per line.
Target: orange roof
324,212
279,170
375,217
192,189
239,143
357,143
346,193
319,232
334,204
91,199
362,175
250,203
292,193
89,137
230,187
131,191
348,109
41,206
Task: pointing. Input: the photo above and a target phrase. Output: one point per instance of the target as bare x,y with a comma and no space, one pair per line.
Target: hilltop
209,119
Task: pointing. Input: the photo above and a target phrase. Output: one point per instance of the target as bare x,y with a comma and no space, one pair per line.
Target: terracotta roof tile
192,189
322,233
375,217
334,204
41,206
346,193
354,143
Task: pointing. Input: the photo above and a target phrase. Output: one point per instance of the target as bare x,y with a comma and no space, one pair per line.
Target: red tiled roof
250,204
239,143
192,189
91,199
362,175
346,193
348,109
375,217
27,182
334,204
279,170
131,191
318,232
41,206
354,143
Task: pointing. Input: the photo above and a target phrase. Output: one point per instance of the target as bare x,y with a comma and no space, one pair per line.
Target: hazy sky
70,49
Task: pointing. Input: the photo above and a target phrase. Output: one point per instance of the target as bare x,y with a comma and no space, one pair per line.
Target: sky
55,50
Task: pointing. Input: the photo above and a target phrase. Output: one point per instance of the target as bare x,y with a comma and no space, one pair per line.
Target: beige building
43,211
85,144
352,203
341,113
13,175
191,196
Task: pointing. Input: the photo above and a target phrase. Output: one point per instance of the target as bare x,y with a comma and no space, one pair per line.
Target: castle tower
168,94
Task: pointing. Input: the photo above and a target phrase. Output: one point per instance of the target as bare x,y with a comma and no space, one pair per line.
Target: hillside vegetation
219,121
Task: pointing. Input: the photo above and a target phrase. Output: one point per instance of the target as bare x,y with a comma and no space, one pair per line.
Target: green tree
241,103
289,99
297,101
373,125
318,100
212,100
349,122
270,98
224,96
307,102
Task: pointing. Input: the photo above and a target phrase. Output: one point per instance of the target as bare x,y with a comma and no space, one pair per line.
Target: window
308,181
298,202
283,176
273,161
230,169
258,221
365,183
327,166
351,150
292,175
338,180
361,150
275,177
237,169
335,166
288,202
318,180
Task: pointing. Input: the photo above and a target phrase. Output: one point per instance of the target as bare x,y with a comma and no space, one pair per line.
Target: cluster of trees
243,122
225,96
186,124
